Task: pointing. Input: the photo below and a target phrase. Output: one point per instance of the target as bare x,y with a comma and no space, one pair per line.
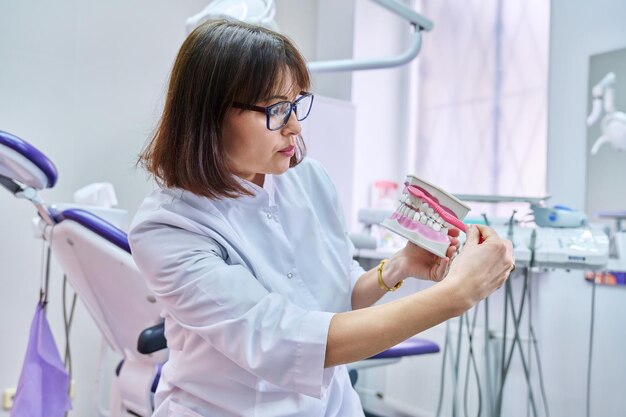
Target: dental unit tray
486,198
425,214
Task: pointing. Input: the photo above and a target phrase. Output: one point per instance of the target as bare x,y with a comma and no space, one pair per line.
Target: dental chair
96,258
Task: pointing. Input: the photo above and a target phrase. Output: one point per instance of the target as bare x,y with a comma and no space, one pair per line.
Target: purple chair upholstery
32,154
410,347
97,225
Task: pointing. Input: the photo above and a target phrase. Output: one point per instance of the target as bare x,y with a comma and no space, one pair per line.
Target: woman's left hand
418,262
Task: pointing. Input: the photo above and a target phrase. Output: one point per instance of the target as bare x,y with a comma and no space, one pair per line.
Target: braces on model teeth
425,215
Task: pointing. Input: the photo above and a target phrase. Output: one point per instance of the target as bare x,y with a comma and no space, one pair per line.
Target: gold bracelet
381,283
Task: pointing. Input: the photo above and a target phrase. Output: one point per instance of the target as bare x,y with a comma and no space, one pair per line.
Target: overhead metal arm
419,23
262,12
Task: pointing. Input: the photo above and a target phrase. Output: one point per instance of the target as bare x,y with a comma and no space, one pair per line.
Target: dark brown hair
220,62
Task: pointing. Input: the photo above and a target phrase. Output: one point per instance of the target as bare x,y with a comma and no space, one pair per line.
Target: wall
579,29
299,20
483,95
380,96
335,40
82,81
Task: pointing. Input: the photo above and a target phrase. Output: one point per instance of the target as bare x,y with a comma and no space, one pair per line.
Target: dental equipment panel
563,239
425,215
564,248
585,248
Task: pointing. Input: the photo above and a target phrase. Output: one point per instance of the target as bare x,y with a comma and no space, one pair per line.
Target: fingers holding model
481,267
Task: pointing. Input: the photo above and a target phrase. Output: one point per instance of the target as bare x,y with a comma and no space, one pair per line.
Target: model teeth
422,220
420,211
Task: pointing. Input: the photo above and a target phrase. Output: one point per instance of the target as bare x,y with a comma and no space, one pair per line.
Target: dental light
613,125
258,12
261,12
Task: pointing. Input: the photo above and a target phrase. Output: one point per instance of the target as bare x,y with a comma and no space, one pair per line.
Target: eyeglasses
278,113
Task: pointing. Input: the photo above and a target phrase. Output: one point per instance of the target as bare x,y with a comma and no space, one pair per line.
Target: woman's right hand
475,273
480,268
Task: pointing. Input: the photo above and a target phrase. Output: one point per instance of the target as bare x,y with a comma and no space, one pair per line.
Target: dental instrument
613,125
558,216
516,342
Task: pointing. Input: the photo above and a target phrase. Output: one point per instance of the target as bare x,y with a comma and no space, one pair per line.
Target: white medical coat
248,288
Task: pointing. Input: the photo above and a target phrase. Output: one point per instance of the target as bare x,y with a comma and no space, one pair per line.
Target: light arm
262,12
419,23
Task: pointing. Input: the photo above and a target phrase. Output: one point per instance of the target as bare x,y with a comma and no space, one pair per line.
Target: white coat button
269,215
290,275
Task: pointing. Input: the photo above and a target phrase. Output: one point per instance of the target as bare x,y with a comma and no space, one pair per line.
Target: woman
244,245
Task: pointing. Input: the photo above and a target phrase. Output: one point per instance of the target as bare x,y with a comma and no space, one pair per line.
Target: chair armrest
152,339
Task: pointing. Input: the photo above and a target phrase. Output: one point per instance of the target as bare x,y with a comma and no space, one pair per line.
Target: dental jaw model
425,215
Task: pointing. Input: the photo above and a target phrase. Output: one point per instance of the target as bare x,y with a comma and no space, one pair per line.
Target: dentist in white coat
244,245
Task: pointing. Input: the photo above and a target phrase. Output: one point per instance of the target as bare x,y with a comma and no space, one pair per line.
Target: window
482,106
